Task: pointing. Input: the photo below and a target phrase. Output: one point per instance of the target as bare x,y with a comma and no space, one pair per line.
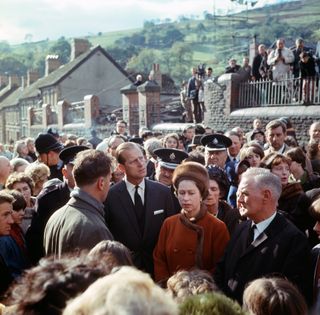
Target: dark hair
196,156
274,159
46,288
89,165
219,175
255,147
313,149
146,134
273,124
19,201
119,252
297,155
188,127
122,122
314,209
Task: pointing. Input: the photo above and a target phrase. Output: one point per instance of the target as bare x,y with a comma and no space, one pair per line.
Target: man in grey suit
136,207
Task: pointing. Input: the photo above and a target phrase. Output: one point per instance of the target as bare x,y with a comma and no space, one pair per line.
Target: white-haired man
266,243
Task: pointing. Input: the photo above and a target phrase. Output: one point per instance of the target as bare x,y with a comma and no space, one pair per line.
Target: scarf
191,224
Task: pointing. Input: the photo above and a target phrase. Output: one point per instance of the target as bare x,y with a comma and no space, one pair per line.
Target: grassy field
225,36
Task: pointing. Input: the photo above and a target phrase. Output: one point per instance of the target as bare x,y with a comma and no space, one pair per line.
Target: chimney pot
52,63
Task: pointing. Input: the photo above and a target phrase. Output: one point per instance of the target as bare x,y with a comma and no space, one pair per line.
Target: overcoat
79,224
280,249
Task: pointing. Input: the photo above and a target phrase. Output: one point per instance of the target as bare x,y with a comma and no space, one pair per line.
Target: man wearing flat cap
48,149
167,161
50,199
216,149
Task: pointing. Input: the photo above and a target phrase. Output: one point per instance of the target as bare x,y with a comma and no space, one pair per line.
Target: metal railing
290,91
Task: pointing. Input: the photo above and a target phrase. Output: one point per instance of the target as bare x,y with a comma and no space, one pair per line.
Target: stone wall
223,115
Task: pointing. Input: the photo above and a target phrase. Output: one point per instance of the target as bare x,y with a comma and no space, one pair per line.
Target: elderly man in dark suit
265,244
136,207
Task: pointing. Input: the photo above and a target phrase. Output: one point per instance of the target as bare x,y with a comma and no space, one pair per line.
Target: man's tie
251,235
139,209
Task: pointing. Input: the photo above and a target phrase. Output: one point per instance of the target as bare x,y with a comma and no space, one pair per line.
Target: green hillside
179,45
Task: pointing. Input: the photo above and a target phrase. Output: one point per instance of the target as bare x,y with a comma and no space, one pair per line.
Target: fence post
91,110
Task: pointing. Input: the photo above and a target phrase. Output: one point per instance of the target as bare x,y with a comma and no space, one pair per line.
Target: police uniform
44,143
49,200
216,142
171,158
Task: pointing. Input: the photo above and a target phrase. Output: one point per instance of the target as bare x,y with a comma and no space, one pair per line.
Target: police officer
216,149
50,199
48,149
167,161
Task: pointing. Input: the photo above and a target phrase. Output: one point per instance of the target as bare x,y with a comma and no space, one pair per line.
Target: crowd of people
203,222
270,64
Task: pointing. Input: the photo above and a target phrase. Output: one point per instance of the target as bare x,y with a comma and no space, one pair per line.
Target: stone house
90,72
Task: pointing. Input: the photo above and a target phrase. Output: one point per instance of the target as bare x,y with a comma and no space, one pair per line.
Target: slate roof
13,98
55,77
62,72
6,91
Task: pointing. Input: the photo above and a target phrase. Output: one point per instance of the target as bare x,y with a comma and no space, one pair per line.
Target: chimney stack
156,74
78,47
14,81
52,63
32,76
4,80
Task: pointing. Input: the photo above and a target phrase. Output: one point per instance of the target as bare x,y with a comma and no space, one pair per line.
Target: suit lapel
147,207
128,207
274,227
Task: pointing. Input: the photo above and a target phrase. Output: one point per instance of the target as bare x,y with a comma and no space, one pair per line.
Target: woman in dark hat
216,205
192,238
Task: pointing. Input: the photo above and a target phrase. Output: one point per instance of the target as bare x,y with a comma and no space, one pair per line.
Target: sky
42,19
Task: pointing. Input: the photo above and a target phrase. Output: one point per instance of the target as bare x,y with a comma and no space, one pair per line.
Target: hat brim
216,149
170,166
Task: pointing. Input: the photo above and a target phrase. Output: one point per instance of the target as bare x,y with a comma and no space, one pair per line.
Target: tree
148,25
171,36
143,61
122,54
181,58
12,65
4,47
62,48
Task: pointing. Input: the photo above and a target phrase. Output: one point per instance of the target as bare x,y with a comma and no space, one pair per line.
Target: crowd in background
161,223
275,64
199,222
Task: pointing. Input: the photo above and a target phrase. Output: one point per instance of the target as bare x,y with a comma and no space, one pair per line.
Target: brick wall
220,114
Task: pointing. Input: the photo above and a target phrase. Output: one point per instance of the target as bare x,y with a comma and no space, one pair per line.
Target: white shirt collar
132,188
261,226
